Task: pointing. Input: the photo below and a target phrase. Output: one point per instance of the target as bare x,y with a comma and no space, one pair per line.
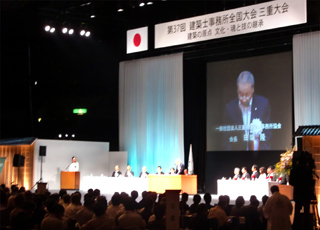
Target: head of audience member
22,190
184,197
62,192
116,168
202,210
159,169
207,198
129,204
264,199
90,191
88,196
134,194
76,199
99,209
96,193
236,171
128,168
88,203
66,198
115,200
103,201
254,168
74,160
262,170
196,199
244,170
222,202
274,188
144,194
227,198
240,201
19,200
254,201
159,211
245,87
185,171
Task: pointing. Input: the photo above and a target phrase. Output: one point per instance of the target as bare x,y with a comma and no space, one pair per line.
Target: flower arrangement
284,166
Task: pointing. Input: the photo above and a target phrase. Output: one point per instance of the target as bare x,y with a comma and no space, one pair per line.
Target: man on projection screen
246,117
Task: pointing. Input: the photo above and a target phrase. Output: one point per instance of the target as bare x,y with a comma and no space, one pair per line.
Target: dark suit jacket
181,169
245,176
126,174
160,173
233,116
114,173
237,177
255,175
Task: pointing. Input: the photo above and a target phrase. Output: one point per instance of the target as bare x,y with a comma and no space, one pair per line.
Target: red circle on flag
137,40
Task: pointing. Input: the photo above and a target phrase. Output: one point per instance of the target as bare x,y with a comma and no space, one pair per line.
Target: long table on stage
185,183
246,188
155,183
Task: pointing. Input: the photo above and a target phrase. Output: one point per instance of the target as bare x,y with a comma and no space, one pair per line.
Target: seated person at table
237,175
179,167
263,174
255,174
172,171
271,174
128,173
245,174
144,173
116,172
185,172
159,170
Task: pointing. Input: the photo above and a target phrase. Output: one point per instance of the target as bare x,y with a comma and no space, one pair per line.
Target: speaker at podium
70,180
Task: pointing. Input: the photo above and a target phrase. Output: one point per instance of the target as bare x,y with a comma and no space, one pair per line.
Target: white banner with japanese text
254,18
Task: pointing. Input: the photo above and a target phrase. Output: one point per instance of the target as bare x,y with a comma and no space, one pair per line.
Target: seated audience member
207,199
263,220
159,223
101,221
200,221
66,201
251,214
73,207
172,171
129,173
263,174
61,193
115,206
196,202
159,170
228,207
142,202
86,212
54,218
236,172
144,173
134,196
130,219
218,213
116,172
271,174
237,210
147,210
245,174
255,174
184,207
96,194
19,200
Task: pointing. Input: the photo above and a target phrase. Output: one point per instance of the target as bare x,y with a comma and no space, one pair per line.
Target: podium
70,180
185,183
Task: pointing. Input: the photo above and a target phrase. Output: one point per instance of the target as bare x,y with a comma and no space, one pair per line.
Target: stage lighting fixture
73,136
64,30
88,33
52,29
66,135
35,83
71,31
141,4
59,135
149,3
92,16
47,28
82,32
120,9
39,119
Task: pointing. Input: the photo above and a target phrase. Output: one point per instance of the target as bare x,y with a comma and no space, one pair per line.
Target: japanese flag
137,40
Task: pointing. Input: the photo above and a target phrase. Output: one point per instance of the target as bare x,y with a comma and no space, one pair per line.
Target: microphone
67,166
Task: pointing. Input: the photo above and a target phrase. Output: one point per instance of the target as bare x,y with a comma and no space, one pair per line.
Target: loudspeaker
42,150
300,144
18,160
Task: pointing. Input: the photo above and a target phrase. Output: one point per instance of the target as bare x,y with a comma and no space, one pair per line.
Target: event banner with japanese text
253,18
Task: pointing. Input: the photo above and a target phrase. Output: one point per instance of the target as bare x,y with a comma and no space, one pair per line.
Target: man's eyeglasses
244,97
